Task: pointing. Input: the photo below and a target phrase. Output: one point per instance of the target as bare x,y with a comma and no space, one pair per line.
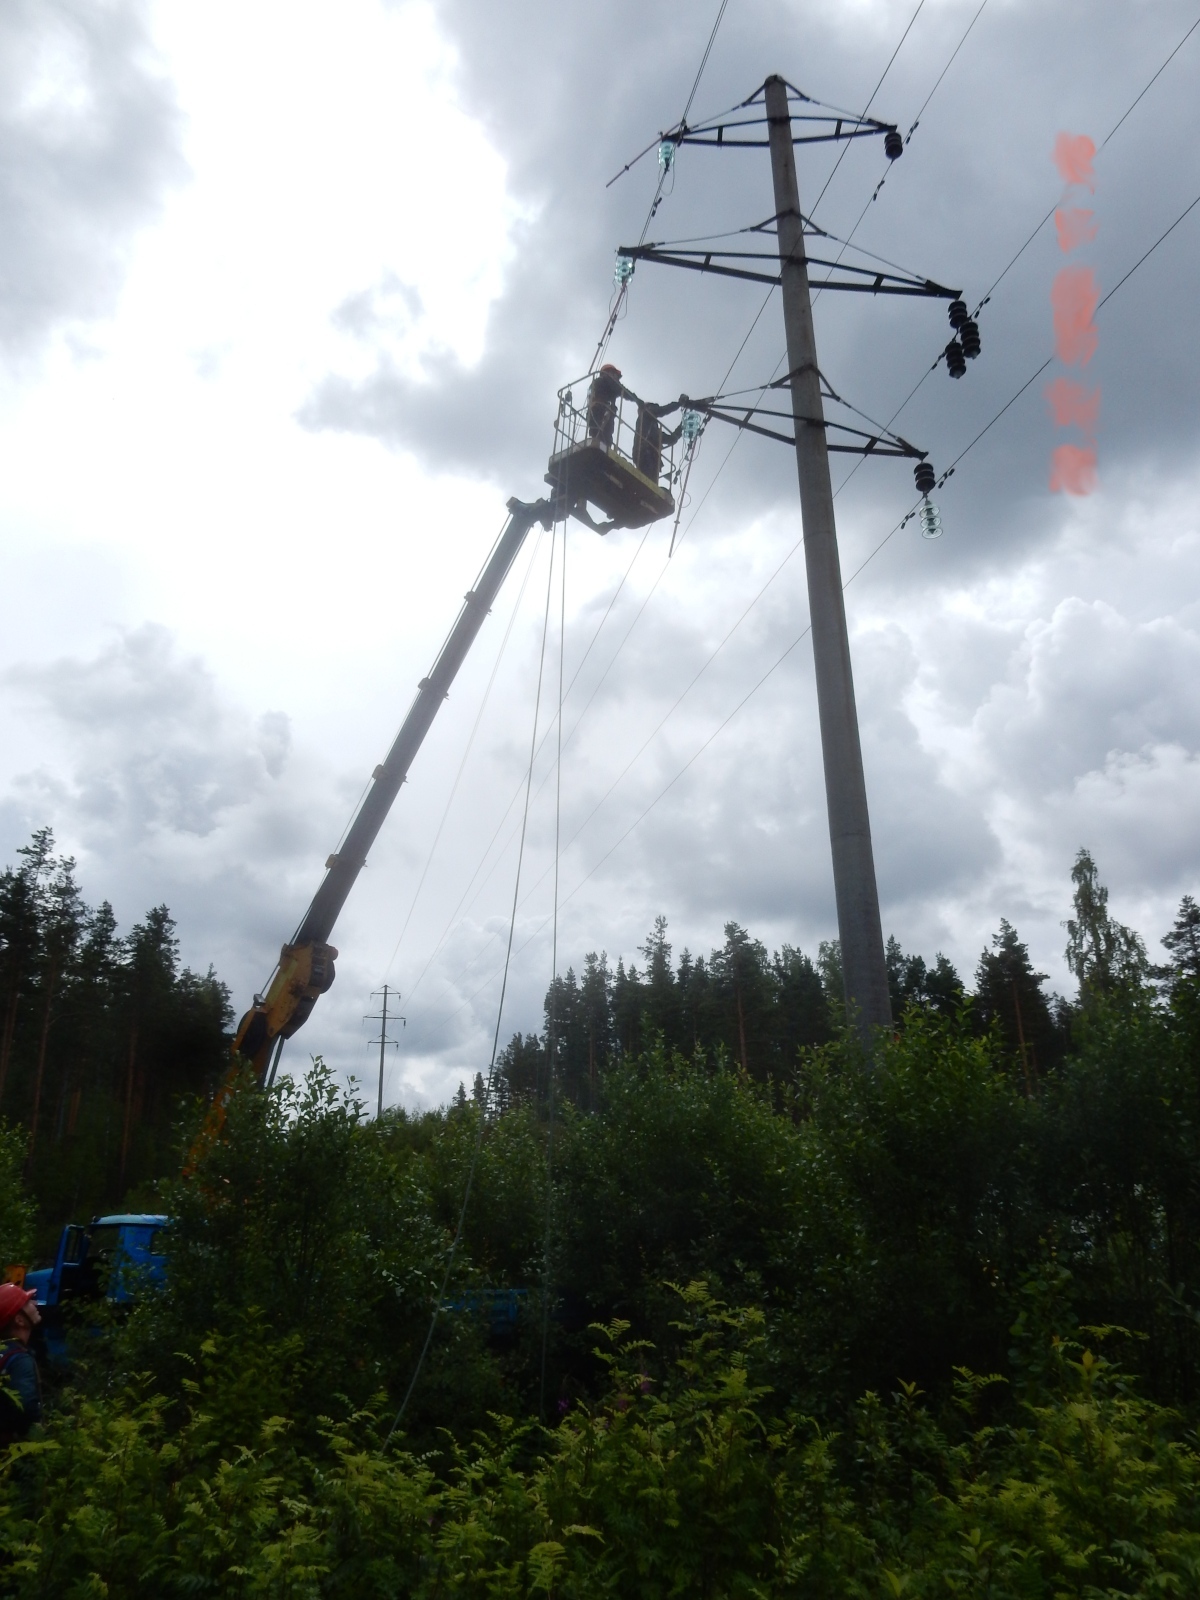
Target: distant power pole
859,926
383,1041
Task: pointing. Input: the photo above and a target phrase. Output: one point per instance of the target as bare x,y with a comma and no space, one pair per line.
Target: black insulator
925,477
893,145
955,361
969,334
957,312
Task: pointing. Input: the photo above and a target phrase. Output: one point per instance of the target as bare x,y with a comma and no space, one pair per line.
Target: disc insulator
931,521
957,312
925,477
956,363
969,334
893,145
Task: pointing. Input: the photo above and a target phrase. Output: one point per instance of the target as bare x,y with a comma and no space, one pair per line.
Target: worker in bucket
604,391
20,1385
649,438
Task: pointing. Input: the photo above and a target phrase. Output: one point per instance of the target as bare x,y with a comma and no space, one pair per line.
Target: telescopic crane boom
603,457
306,962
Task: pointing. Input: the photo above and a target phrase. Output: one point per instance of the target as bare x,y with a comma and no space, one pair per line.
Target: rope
517,791
482,1110
467,751
551,1039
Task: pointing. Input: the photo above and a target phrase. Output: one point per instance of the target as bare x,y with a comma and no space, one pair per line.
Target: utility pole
383,1041
859,926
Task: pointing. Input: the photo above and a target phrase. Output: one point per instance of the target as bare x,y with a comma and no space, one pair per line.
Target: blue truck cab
112,1258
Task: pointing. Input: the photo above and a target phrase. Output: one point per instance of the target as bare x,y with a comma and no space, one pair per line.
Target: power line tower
859,929
383,1041
859,926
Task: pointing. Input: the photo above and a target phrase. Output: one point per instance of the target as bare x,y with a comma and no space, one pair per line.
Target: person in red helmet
20,1385
604,391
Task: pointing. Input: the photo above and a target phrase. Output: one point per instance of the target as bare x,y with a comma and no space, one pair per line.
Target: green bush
688,1489
16,1208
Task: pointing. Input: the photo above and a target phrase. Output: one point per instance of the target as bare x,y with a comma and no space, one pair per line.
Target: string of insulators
929,515
893,145
666,154
690,429
969,337
956,361
623,271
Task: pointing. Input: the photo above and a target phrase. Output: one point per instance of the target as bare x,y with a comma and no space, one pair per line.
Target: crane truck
601,460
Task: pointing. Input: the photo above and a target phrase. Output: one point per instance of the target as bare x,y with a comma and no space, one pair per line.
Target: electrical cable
1021,251
623,292
1005,271
845,243
870,102
482,1109
1011,401
712,39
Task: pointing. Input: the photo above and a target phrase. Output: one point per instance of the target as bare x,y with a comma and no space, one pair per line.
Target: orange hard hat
608,367
13,1299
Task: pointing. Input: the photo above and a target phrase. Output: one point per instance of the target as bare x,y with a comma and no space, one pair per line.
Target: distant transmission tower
383,1041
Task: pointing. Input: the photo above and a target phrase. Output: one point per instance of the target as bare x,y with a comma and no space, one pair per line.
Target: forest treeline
917,1320
759,1010
101,1036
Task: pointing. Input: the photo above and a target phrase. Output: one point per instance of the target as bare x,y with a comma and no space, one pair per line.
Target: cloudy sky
286,292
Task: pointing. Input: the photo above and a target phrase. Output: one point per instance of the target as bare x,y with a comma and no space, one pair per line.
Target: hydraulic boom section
611,452
306,964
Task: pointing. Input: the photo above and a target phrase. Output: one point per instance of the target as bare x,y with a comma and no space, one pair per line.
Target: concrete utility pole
859,929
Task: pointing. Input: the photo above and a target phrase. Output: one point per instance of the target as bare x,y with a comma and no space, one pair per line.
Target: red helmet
13,1299
608,367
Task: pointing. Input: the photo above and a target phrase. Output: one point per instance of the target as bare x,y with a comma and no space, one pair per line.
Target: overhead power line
870,102
982,432
774,667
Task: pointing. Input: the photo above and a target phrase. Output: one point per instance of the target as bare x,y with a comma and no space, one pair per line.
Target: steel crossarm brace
876,444
710,261
844,127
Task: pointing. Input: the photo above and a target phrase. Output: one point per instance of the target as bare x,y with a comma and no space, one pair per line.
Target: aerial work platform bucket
611,453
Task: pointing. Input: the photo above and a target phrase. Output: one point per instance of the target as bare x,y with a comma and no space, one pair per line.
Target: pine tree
801,1014
20,936
660,992
744,991
912,983
63,916
695,1001
1009,995
1182,971
595,1016
627,1009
